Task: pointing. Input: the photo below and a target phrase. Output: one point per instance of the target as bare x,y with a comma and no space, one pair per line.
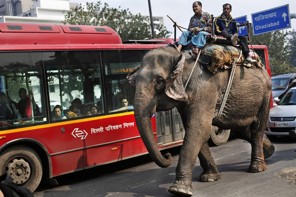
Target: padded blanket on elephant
222,56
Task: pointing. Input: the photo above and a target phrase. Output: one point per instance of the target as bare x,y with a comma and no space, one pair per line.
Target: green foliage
282,50
282,69
292,48
127,25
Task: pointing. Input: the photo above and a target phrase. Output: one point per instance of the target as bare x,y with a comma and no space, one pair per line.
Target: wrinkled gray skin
160,85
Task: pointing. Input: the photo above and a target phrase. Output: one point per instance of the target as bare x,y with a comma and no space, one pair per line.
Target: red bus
47,67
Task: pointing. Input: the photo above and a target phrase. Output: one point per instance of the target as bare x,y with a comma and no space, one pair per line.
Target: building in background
34,11
43,11
157,22
14,7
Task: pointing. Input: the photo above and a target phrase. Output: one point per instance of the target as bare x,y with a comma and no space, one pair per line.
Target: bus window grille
100,29
45,28
14,27
75,28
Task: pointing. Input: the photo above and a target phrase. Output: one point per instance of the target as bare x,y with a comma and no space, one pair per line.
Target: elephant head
159,87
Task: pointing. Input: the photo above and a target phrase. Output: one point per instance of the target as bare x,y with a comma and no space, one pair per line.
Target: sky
181,10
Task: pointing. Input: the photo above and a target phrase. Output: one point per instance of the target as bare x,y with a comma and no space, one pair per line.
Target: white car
282,117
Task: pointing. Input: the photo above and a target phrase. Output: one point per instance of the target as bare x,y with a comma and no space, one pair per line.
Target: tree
279,48
282,69
127,25
292,48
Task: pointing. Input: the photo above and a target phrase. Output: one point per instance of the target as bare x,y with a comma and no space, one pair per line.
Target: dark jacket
225,27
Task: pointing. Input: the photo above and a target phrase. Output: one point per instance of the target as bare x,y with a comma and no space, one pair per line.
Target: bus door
169,126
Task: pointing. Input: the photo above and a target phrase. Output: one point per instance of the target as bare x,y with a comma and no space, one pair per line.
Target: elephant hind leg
257,165
257,156
261,146
210,171
209,177
268,147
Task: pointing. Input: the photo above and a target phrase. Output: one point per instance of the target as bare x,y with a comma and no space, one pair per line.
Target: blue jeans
198,40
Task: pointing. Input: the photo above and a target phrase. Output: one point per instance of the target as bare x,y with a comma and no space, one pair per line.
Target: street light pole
151,19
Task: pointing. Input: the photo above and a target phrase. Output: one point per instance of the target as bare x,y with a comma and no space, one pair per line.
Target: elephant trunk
143,110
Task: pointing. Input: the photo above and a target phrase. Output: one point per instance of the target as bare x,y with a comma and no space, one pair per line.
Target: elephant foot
268,149
181,188
257,166
209,177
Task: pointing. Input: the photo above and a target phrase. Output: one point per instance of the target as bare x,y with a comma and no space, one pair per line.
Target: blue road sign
271,20
242,25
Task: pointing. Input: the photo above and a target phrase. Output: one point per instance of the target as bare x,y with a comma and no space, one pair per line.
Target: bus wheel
23,165
219,136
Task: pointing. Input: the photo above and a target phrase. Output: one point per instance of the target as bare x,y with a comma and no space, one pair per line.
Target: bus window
75,76
22,85
117,64
121,94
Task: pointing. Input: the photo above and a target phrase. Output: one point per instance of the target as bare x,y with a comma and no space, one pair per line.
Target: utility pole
151,19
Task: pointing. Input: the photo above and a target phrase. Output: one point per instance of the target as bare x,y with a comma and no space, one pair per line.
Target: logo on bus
78,133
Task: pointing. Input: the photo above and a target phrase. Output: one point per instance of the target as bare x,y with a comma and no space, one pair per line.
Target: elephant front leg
210,172
181,188
182,185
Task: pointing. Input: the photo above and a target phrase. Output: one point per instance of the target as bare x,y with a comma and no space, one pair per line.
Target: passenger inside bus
8,111
86,111
124,106
77,103
123,90
27,106
76,109
94,110
73,112
90,109
58,113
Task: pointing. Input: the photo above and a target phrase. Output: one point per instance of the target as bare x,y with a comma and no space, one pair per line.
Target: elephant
167,79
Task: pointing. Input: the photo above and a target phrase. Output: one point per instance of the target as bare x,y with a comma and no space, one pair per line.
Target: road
146,179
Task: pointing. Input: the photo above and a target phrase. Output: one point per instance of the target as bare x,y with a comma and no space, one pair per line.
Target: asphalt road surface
146,179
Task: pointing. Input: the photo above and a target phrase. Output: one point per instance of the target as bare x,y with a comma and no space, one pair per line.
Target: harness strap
229,85
193,69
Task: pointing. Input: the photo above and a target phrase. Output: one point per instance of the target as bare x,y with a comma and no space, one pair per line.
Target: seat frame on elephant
219,53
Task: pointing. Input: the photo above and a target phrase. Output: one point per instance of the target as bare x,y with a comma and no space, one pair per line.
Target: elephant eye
159,83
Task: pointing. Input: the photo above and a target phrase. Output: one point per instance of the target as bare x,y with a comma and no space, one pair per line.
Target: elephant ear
174,85
132,76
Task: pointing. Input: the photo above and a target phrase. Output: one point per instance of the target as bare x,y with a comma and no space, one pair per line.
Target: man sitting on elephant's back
225,25
198,29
